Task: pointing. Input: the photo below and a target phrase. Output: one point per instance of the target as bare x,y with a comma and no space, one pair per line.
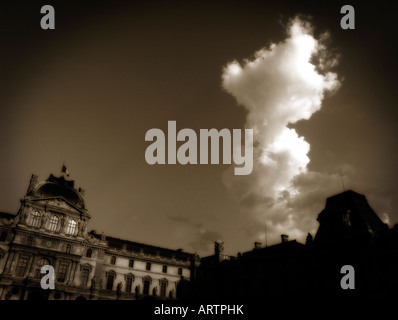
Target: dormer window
34,219
72,226
53,223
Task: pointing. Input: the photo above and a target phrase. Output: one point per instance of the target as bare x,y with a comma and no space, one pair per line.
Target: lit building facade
50,228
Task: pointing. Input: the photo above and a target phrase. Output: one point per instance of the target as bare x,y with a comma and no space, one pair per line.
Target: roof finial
64,171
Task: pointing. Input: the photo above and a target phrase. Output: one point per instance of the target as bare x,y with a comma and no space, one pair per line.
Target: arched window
53,223
41,262
34,219
72,226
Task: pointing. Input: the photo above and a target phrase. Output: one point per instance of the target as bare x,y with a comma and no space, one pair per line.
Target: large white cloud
280,86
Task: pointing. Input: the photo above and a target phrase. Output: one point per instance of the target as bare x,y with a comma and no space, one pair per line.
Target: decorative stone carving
43,220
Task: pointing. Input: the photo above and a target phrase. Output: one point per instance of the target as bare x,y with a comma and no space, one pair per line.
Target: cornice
154,259
52,208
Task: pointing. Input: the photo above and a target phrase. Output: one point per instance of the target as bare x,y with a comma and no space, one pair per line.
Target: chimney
218,247
285,238
257,245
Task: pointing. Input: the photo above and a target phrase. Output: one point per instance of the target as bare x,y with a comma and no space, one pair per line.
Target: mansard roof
348,215
132,246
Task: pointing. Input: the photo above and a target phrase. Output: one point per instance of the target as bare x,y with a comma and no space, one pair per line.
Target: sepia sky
87,92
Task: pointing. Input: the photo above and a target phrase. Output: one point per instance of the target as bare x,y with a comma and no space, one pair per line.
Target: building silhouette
50,228
350,233
51,225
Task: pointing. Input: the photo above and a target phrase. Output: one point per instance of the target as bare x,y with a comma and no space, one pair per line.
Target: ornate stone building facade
50,228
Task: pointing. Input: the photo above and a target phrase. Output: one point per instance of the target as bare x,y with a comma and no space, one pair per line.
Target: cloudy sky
321,101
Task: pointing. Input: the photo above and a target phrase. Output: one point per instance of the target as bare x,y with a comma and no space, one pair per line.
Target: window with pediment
85,270
110,279
129,282
147,283
163,286
84,276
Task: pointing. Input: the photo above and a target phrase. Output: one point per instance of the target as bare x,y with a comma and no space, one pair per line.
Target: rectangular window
180,271
62,270
163,289
113,260
164,269
109,282
131,263
146,287
129,282
148,266
85,274
38,274
22,265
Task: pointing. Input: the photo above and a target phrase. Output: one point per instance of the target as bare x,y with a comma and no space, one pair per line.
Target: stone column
56,269
7,268
34,261
74,272
68,272
14,262
31,258
2,290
